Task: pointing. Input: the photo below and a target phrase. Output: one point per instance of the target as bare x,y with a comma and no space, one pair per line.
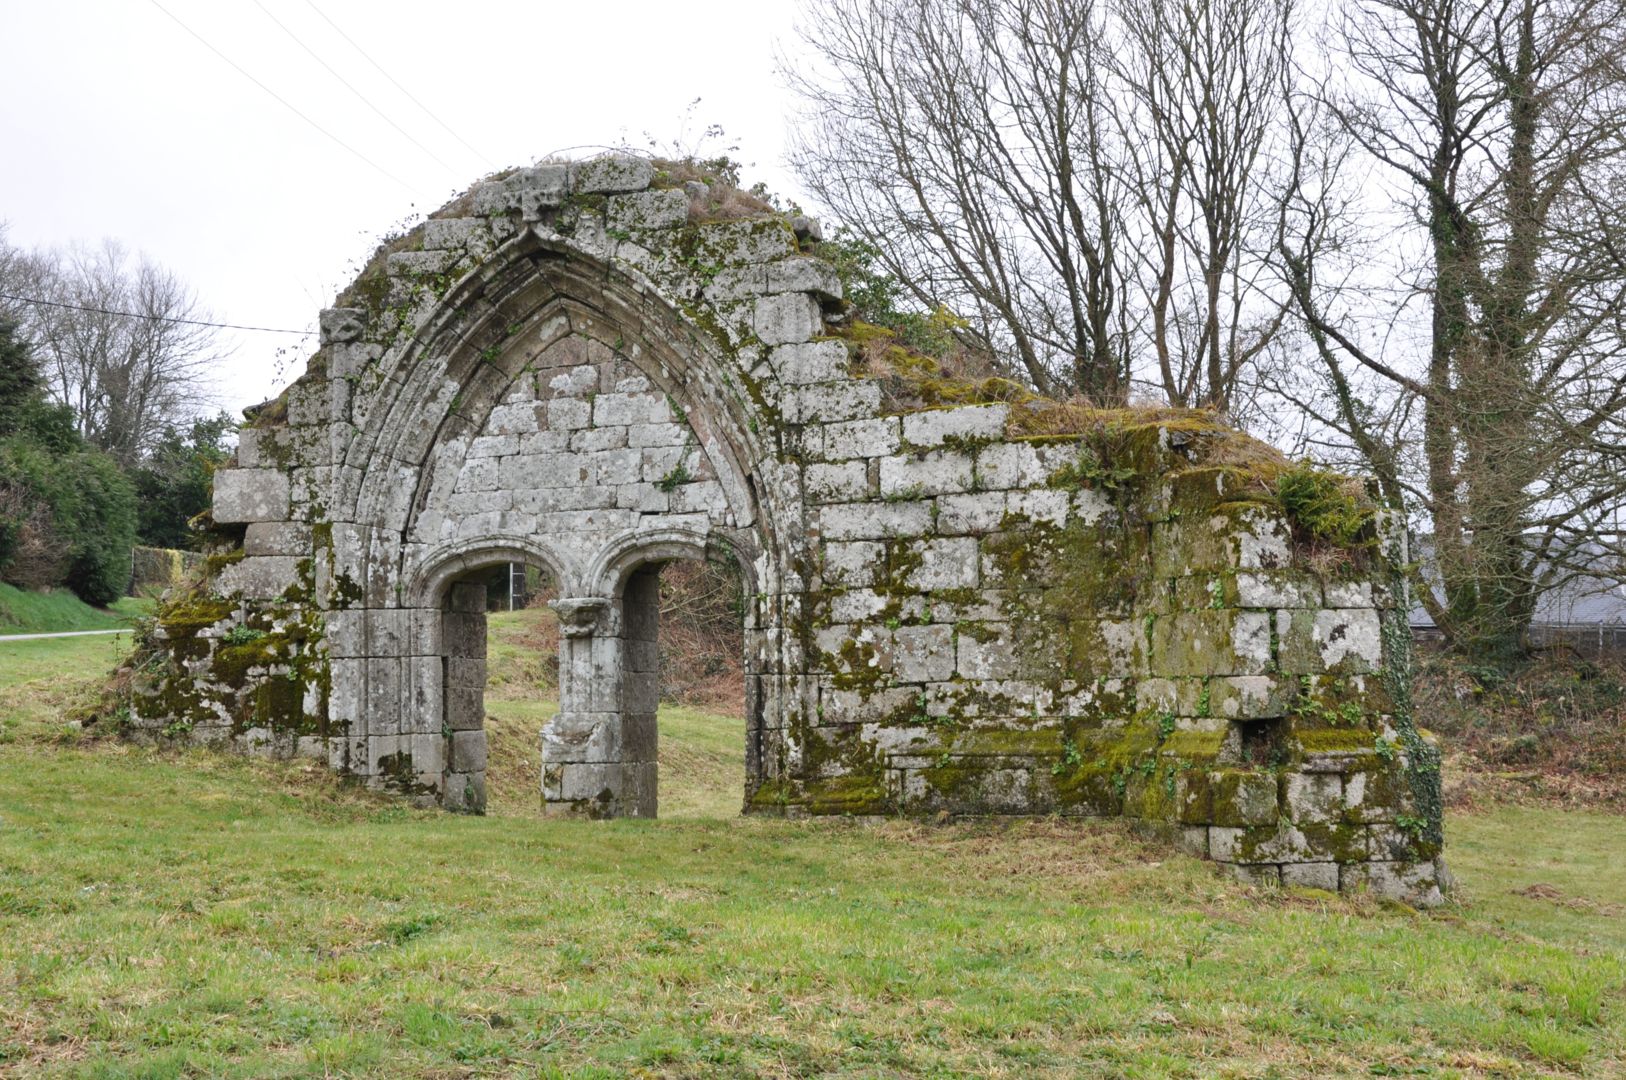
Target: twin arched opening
559,414
599,753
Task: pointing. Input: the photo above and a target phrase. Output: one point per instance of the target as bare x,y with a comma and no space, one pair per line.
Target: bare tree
1203,82
966,142
110,331
1502,126
1088,183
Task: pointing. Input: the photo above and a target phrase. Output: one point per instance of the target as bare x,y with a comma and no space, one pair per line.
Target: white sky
116,122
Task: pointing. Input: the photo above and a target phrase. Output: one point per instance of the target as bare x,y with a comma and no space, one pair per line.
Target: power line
152,318
397,85
362,97
241,71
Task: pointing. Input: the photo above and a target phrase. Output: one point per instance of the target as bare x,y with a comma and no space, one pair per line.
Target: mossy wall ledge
965,598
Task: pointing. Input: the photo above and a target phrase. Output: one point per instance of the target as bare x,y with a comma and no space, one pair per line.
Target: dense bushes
175,479
67,511
69,516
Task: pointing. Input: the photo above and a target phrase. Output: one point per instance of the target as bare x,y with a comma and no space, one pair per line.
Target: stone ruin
958,604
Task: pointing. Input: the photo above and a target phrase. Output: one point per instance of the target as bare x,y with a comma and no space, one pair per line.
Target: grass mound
26,612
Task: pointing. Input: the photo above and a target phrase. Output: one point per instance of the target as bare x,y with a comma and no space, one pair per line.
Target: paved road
66,633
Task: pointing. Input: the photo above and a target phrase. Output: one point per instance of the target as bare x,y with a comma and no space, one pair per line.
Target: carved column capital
579,615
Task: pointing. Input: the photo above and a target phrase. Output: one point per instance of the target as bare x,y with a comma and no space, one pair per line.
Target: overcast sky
119,122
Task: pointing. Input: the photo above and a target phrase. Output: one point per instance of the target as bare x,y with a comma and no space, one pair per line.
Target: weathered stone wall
566,367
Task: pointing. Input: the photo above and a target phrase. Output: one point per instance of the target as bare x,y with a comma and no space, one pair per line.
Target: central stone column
597,760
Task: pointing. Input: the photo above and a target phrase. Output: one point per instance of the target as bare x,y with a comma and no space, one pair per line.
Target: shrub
92,509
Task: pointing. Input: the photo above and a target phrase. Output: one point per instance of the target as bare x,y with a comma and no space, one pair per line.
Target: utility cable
152,318
241,71
346,82
397,85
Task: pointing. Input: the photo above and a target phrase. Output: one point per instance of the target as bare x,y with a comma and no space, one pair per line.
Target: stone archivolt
946,613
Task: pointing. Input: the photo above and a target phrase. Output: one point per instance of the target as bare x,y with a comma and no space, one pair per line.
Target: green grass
195,914
25,612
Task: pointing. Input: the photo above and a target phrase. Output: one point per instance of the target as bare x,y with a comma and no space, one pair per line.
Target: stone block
844,482
478,474
515,419
1350,640
1311,875
1250,697
1259,844
1418,884
345,633
1217,642
453,233
465,673
733,283
277,538
922,653
934,427
264,577
874,521
861,439
949,563
856,605
626,409
1345,640
993,658
612,467
1244,799
1314,797
704,497
811,362
667,434
1277,589
1158,694
649,210
248,495
852,563
591,440
465,708
591,782
830,402
940,472
310,404
974,514
468,751
428,757
261,447
640,693
385,751
1348,594
804,275
465,793
1378,796
1249,874
417,264
741,243
1009,465
1040,507
786,318
611,174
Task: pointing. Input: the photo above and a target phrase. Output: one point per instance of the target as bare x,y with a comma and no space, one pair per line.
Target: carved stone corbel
579,615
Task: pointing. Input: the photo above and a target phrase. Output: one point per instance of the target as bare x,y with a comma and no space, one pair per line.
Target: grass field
23,612
193,914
